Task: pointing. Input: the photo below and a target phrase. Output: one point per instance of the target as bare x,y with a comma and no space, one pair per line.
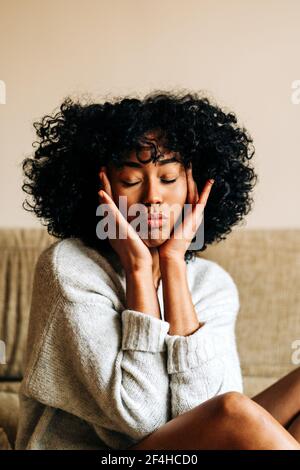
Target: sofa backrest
265,264
19,251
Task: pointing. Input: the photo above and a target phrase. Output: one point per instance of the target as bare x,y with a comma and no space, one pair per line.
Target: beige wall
244,53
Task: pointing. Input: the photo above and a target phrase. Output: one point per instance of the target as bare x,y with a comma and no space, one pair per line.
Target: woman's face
157,187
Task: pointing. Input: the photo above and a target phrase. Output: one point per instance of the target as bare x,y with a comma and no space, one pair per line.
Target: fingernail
211,181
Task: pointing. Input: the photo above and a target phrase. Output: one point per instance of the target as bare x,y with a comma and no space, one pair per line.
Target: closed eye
164,181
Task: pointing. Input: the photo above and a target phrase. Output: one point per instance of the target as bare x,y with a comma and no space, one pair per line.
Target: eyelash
164,181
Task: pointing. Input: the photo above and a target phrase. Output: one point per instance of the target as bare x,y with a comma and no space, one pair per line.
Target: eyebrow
160,163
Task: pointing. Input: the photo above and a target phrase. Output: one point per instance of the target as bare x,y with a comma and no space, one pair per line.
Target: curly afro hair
63,174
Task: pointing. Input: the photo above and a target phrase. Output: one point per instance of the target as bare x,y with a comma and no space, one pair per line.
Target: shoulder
73,267
206,270
210,280
70,255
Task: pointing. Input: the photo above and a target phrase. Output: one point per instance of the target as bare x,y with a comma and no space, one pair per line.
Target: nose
151,194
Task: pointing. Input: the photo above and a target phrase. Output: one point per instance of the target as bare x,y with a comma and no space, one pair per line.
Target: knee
233,401
244,422
236,406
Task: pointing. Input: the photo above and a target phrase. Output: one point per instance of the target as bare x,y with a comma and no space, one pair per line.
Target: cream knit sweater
98,375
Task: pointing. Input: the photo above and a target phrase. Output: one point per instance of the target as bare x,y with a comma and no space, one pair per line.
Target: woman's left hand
175,248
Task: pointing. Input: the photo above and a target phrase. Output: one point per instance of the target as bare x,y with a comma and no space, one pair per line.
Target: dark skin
271,418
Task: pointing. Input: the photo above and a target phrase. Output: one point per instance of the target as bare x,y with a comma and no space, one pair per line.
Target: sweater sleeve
206,363
104,366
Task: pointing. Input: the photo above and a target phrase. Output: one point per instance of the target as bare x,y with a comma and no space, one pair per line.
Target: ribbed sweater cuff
187,352
143,332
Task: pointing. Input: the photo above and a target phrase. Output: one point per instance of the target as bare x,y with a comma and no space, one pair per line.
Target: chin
151,243
155,239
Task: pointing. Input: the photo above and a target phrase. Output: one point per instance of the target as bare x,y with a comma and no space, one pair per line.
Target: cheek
177,200
127,202
117,192
184,193
180,194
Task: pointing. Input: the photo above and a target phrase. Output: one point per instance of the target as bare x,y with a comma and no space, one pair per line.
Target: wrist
138,269
169,262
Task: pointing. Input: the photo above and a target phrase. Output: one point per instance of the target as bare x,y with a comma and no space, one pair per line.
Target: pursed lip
156,216
150,217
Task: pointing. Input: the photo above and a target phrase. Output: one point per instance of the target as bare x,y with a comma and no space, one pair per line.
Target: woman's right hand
133,253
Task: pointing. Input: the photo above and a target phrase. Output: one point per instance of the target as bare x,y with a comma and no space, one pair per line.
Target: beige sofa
265,265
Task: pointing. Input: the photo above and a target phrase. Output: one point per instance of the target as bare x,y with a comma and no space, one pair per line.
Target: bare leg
294,428
228,421
282,400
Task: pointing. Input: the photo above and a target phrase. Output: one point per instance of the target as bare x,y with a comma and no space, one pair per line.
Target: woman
131,339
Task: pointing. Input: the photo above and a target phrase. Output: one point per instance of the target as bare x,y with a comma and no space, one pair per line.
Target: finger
206,191
105,181
192,222
124,229
192,218
106,199
107,188
194,191
194,214
191,187
100,171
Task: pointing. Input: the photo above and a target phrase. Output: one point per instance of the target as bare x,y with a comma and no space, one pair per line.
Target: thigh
228,421
282,399
194,429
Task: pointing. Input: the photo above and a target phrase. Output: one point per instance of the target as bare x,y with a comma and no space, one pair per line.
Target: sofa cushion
9,409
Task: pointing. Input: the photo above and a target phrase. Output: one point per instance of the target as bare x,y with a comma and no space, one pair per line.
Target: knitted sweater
100,376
